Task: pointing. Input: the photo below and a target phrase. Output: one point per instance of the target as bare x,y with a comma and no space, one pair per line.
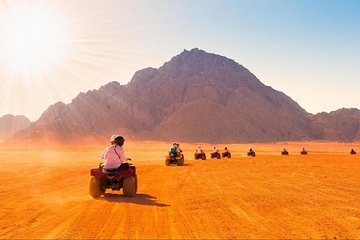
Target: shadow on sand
142,199
185,165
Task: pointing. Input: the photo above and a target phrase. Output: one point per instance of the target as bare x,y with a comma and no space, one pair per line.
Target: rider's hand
129,159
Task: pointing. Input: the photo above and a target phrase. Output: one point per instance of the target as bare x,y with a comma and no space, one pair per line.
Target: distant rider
199,150
214,150
174,151
178,149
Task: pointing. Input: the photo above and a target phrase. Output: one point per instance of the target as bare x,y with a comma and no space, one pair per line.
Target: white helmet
112,138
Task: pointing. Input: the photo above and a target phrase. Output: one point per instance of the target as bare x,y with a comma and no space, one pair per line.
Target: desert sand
44,194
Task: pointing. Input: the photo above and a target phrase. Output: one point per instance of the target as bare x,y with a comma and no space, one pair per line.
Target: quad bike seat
111,171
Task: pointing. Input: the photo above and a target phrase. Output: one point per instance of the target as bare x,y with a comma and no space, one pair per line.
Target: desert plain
44,194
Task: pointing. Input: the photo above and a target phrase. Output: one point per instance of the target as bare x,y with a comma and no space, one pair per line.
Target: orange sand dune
44,194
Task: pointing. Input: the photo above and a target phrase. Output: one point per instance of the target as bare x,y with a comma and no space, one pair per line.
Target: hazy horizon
53,50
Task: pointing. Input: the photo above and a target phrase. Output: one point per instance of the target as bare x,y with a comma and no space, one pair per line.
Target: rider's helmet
119,140
112,138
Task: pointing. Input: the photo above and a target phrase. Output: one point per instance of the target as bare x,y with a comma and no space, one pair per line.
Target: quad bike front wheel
129,186
95,188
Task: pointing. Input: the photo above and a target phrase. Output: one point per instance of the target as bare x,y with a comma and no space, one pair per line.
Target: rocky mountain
196,96
9,124
341,125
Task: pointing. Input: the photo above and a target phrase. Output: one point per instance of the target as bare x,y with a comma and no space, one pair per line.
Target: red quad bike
251,153
284,152
226,154
200,156
113,179
303,152
178,160
215,155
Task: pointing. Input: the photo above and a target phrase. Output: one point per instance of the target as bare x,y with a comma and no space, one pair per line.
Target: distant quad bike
178,160
215,155
251,153
352,152
303,152
116,179
284,152
200,156
226,154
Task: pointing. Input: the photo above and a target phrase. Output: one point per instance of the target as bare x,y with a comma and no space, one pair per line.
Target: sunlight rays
52,50
33,39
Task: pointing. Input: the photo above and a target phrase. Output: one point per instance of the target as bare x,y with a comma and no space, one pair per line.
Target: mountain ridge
9,124
197,97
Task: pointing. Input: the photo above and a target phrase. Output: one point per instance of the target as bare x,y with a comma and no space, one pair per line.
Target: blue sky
306,49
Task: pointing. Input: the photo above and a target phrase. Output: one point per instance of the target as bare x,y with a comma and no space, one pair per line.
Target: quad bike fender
96,172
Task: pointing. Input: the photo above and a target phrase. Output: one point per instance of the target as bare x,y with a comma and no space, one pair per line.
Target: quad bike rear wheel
136,182
167,162
95,188
129,186
180,162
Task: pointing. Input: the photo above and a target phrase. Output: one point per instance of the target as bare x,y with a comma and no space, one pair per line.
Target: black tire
203,157
218,156
167,162
180,162
129,186
136,182
229,155
95,188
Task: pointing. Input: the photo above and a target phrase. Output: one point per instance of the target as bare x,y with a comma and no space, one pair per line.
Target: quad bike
352,152
284,152
215,155
226,154
114,179
303,152
178,160
200,156
251,153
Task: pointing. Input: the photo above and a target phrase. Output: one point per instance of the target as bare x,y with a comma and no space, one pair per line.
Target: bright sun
32,39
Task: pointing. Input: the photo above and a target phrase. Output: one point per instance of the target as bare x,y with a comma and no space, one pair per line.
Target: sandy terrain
44,194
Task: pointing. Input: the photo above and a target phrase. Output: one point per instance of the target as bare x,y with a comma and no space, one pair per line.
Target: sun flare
33,39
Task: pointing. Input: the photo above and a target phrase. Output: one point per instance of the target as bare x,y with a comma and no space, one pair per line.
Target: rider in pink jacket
114,153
